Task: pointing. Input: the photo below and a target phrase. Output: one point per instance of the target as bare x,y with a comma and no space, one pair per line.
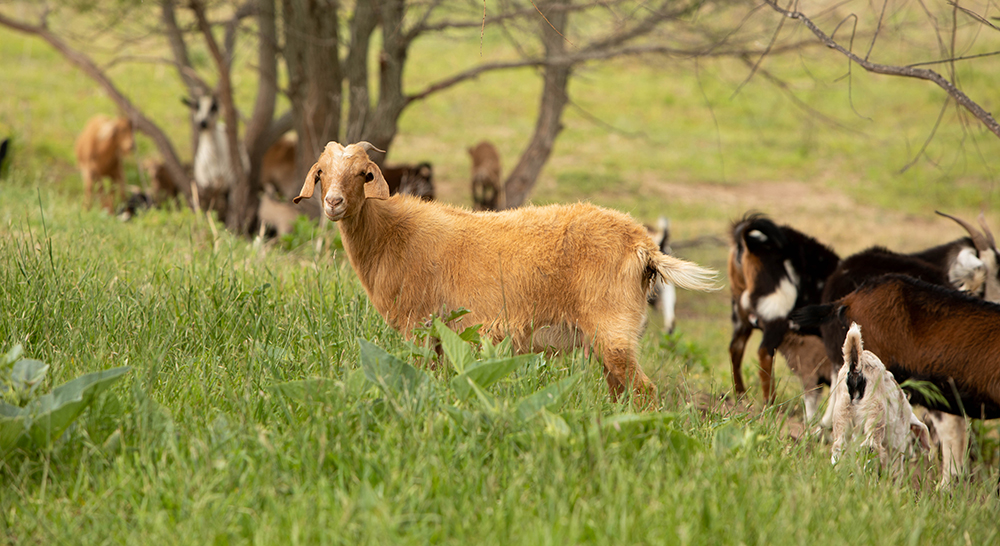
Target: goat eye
369,177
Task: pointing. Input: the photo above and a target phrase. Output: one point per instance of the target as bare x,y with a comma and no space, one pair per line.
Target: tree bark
244,199
381,128
356,71
557,72
314,76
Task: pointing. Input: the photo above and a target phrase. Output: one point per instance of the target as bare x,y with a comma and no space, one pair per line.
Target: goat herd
564,276
105,141
929,316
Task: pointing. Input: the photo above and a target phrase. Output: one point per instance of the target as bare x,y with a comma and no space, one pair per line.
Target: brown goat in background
487,188
99,151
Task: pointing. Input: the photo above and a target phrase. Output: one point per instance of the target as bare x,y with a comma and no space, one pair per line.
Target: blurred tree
327,46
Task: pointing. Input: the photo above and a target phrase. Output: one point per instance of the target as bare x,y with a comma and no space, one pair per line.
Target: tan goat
551,278
99,151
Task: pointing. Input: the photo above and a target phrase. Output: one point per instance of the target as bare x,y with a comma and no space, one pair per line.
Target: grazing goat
415,180
136,203
162,186
487,188
927,332
550,278
663,297
99,151
866,394
772,270
277,167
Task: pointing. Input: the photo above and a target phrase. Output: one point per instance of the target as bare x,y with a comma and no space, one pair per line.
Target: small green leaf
12,355
28,374
391,374
456,314
11,425
554,425
470,334
549,397
487,373
458,351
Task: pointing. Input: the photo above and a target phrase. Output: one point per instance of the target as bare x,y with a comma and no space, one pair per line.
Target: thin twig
930,137
919,73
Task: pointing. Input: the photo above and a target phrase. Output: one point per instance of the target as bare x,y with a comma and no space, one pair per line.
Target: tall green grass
194,445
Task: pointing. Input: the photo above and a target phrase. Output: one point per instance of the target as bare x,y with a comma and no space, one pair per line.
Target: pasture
247,415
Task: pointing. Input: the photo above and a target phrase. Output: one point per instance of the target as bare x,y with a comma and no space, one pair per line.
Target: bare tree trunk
241,218
182,62
356,71
557,72
244,199
314,80
381,128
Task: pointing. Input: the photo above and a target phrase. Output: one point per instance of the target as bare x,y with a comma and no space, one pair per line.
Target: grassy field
246,416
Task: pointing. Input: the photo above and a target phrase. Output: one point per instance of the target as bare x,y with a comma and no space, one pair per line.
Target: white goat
213,170
663,298
868,395
551,278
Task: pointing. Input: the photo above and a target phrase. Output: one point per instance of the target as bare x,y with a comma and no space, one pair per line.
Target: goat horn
368,147
978,238
986,230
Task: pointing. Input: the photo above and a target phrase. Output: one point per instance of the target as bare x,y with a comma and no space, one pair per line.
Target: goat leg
741,333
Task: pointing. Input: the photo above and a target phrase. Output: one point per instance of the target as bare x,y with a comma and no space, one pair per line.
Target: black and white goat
214,172
773,270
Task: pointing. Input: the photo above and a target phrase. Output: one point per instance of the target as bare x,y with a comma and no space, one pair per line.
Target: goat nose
203,124
334,201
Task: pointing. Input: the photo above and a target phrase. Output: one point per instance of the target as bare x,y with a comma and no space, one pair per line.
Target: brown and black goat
773,270
926,332
416,180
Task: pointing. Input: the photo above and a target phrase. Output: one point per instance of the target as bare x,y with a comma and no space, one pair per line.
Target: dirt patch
829,215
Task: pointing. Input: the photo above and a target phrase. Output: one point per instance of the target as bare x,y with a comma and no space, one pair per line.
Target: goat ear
921,432
376,187
189,103
309,185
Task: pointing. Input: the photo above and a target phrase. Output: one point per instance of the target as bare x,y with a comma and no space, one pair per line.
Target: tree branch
908,72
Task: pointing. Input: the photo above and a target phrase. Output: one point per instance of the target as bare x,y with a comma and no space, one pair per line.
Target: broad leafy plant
28,418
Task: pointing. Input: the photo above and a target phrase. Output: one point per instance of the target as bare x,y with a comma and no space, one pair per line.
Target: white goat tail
684,274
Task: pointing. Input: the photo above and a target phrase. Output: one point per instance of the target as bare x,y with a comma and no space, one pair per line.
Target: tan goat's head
347,178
